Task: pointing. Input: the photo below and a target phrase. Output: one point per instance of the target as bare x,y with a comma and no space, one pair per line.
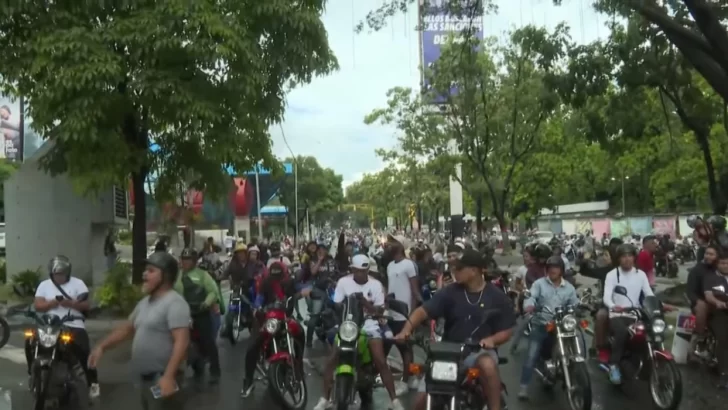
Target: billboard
438,24
16,144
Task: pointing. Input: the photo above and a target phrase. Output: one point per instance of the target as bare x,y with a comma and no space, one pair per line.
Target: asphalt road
118,391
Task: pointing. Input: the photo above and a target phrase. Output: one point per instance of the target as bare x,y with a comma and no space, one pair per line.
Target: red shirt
646,263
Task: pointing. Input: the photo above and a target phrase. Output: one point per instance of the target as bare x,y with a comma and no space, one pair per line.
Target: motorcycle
321,316
562,358
570,251
645,356
279,359
667,266
57,379
448,384
239,315
685,252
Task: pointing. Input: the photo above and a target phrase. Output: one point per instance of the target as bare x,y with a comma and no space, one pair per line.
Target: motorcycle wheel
5,329
344,385
233,329
580,384
657,384
283,379
39,388
79,399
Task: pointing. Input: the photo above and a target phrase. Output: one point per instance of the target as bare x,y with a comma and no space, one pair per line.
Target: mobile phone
59,298
157,392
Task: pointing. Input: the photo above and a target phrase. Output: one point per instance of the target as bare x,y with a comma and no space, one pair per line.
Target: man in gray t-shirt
159,329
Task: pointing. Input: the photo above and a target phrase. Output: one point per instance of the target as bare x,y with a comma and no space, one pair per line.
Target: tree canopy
201,81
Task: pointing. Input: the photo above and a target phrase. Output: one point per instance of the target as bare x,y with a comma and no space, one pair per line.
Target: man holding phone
159,326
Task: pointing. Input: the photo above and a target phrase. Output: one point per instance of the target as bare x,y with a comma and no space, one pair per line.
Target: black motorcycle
57,379
321,314
239,315
667,265
449,386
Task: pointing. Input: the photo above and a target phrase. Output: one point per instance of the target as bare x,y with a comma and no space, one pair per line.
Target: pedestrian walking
159,329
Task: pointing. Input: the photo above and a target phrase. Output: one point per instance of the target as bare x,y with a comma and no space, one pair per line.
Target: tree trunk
479,215
504,233
139,228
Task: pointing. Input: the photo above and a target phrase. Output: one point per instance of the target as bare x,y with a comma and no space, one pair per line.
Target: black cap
188,253
470,258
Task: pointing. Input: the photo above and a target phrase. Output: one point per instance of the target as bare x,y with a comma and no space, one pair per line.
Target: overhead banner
439,23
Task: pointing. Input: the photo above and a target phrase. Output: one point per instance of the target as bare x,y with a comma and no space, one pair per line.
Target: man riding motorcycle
276,256
719,314
60,295
372,291
695,292
201,293
463,306
539,254
636,283
276,286
551,291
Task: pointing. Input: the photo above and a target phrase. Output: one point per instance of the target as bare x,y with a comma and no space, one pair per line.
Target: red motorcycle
279,359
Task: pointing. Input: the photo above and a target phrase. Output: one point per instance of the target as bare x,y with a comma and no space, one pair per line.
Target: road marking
12,353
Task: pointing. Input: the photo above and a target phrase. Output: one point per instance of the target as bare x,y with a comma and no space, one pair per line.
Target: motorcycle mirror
620,290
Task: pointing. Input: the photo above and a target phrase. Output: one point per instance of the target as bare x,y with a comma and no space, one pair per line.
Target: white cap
360,262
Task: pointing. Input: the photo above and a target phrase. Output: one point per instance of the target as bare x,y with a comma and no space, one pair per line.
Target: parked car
544,237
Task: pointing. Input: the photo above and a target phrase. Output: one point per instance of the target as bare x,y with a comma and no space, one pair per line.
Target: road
119,393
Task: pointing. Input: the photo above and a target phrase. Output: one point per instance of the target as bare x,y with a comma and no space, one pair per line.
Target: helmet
188,253
541,252
59,264
693,221
556,261
240,247
274,247
166,263
717,222
625,249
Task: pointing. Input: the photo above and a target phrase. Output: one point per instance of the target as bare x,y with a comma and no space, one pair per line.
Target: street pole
257,197
308,225
623,206
457,224
295,181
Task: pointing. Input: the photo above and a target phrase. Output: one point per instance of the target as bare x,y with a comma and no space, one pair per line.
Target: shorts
396,325
374,330
467,363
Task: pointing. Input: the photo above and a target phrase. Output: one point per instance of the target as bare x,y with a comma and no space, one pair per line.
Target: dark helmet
556,261
59,264
274,247
717,222
541,252
188,253
626,249
166,263
693,221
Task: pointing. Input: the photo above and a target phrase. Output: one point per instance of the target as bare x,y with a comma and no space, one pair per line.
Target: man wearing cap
372,294
402,281
472,308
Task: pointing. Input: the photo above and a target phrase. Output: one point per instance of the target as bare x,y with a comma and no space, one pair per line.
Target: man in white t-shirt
404,284
372,297
63,295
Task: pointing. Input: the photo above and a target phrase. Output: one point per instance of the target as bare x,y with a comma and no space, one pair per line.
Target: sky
325,118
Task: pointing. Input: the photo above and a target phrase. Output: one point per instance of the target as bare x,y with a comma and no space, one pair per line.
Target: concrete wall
45,217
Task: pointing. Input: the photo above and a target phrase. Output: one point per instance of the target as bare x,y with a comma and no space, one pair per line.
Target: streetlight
295,179
623,179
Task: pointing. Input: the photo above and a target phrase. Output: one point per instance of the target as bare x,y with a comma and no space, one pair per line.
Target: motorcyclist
372,291
256,266
276,286
719,314
636,283
275,255
695,292
62,294
549,292
319,273
201,293
539,253
462,305
309,253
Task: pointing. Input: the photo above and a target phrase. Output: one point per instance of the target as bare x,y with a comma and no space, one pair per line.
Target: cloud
325,118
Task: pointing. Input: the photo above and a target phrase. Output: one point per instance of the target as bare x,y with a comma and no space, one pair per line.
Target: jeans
216,323
536,343
315,307
619,328
518,331
254,352
81,347
203,322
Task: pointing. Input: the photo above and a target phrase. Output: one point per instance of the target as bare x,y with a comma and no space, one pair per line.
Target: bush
124,237
117,293
27,281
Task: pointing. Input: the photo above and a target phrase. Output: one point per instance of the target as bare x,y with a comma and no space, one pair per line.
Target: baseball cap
359,262
470,258
401,239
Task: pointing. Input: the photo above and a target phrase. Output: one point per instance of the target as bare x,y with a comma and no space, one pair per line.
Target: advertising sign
11,148
438,25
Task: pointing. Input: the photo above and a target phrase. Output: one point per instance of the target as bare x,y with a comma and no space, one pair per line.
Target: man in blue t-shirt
464,305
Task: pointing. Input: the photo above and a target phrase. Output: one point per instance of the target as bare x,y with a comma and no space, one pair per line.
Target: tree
202,80
319,189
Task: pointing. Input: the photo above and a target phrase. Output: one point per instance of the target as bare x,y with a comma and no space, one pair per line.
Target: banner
10,144
664,225
438,24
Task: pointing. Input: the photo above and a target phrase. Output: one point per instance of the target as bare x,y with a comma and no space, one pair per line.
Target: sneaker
523,392
248,388
94,391
396,405
615,376
603,356
323,404
400,388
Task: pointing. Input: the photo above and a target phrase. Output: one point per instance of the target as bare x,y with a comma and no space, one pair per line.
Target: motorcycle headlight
433,284
444,371
671,256
47,337
568,323
348,331
271,325
658,326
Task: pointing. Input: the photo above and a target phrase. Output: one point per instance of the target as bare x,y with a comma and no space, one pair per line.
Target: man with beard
697,276
159,326
319,273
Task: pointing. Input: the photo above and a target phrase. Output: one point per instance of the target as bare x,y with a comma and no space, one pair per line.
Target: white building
44,217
